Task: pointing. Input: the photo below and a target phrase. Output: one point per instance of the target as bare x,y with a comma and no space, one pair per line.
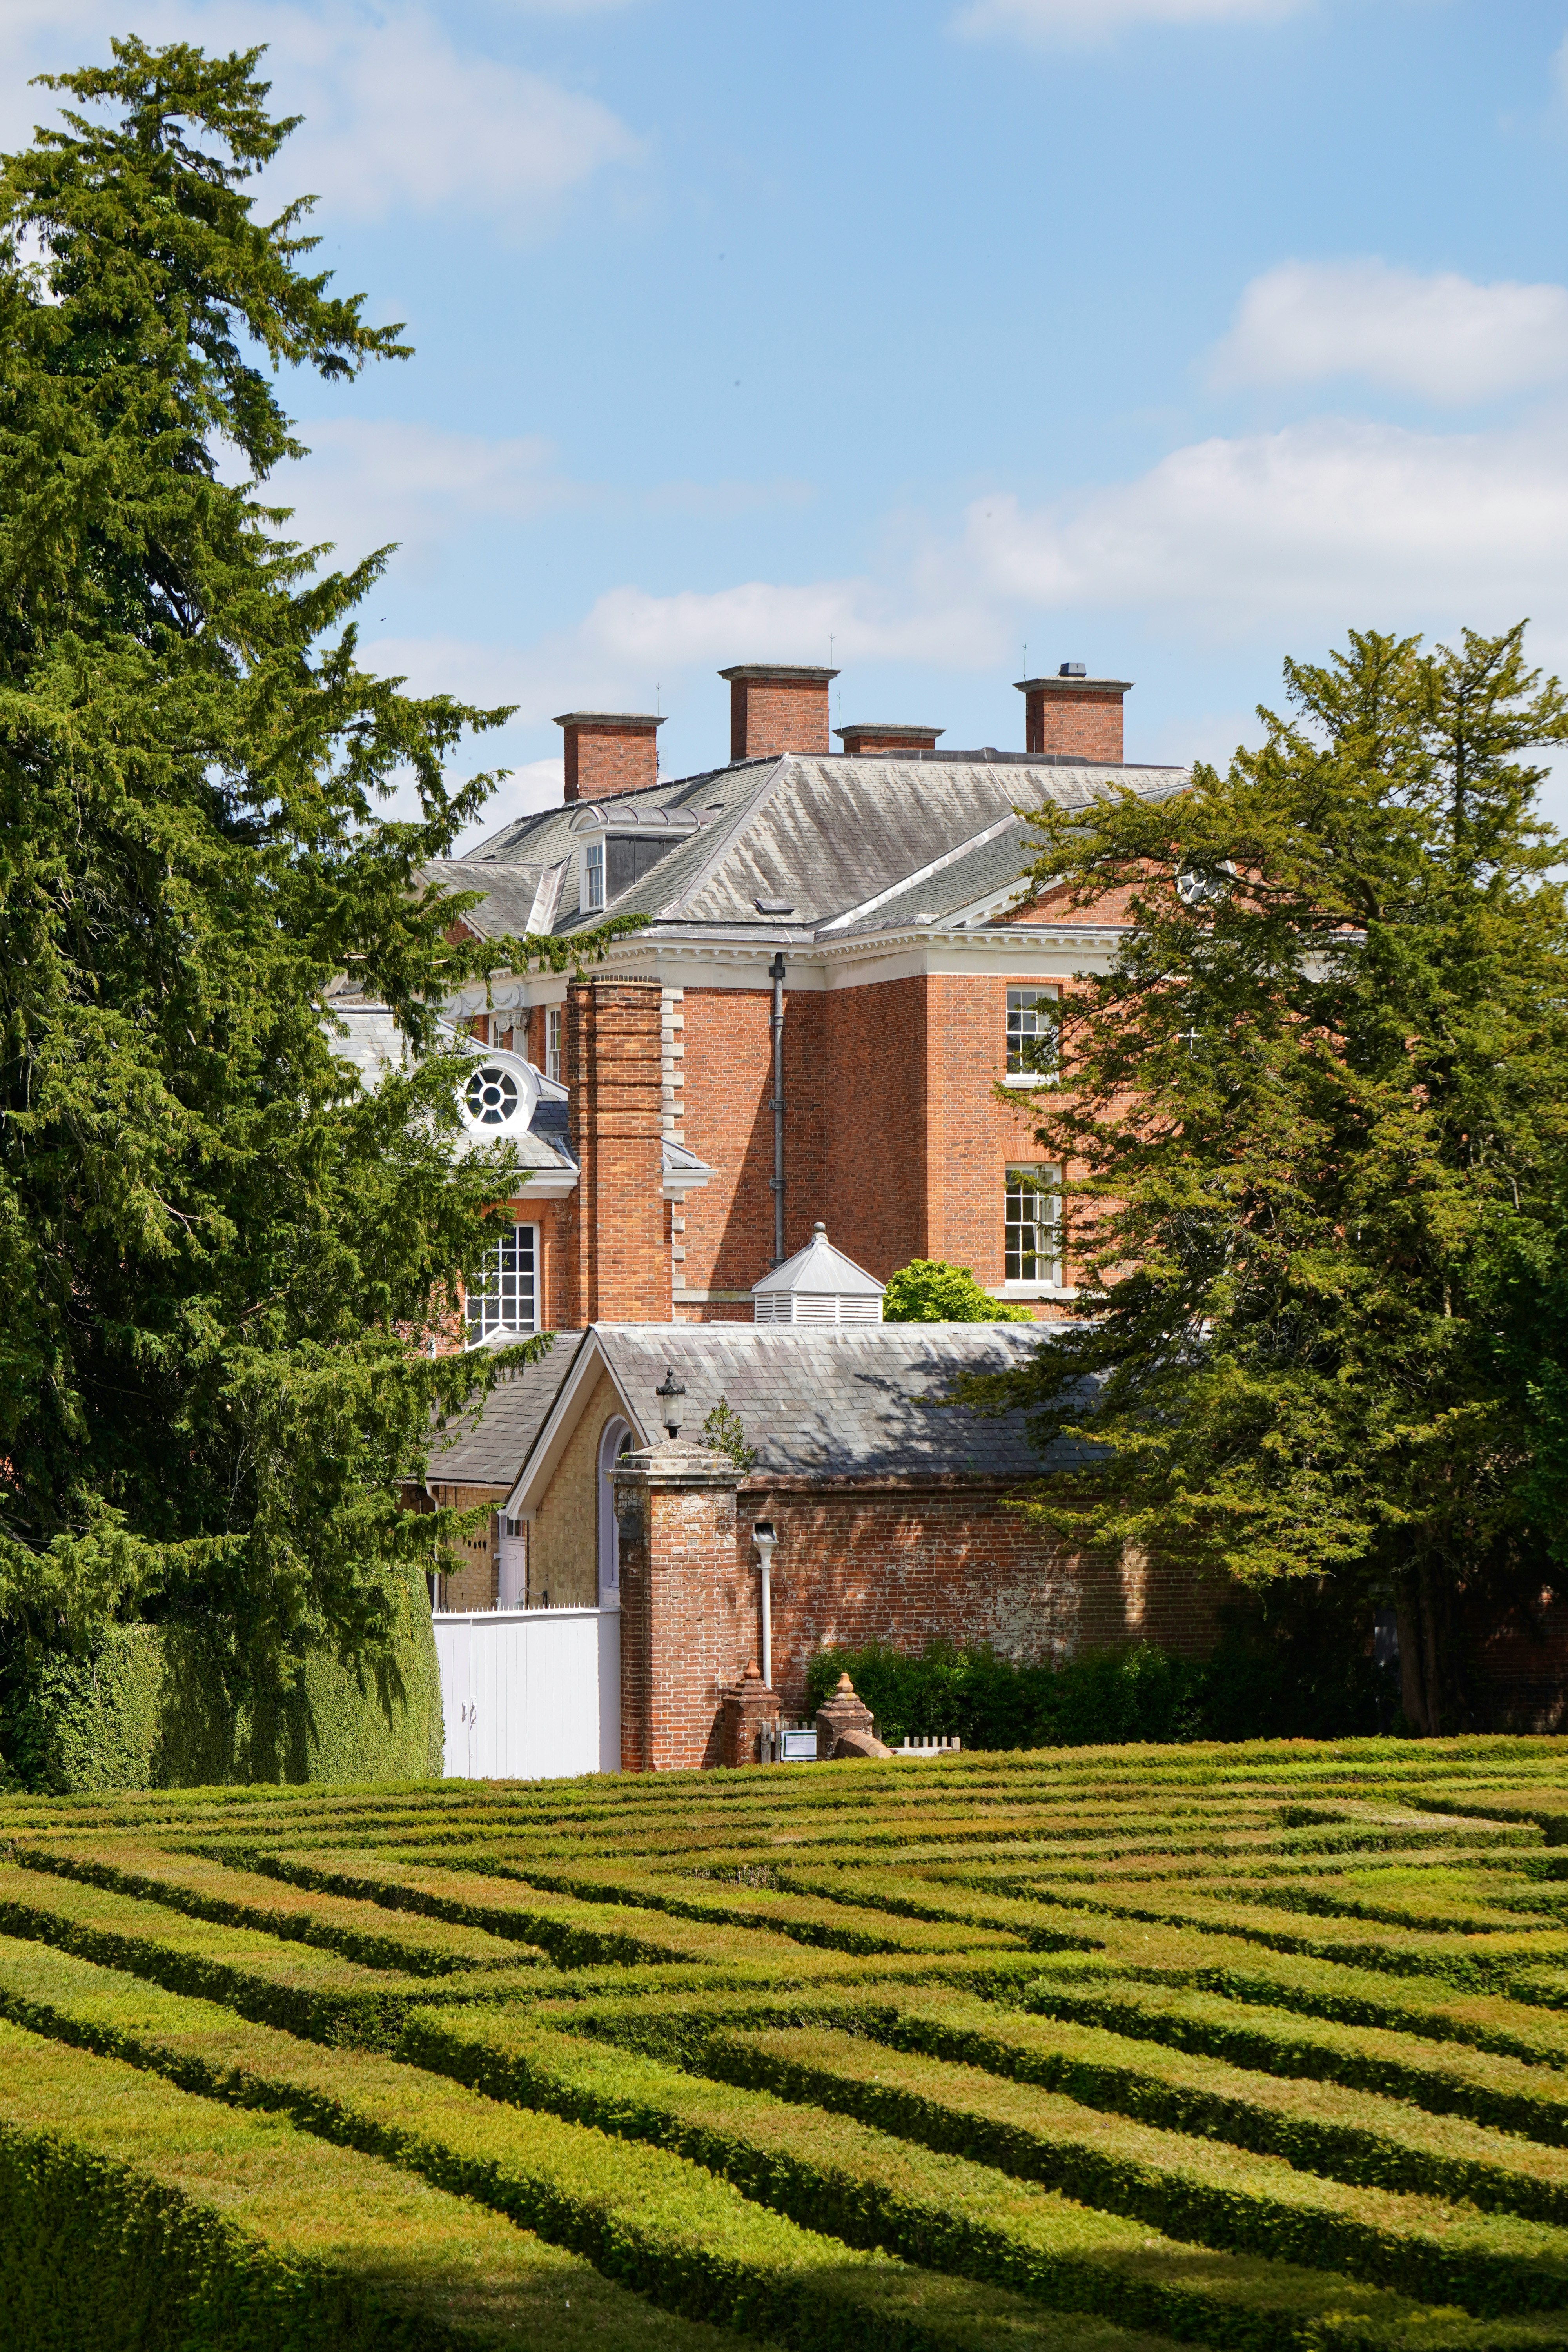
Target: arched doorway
616,1439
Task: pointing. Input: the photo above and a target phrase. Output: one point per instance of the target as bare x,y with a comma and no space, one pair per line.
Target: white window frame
592,876
1039,992
485,1306
1043,1185
512,1567
554,1041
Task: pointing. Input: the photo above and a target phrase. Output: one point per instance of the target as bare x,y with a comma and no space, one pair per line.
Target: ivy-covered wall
150,1708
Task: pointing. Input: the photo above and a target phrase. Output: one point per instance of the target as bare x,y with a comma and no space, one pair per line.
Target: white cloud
1333,522
1289,536
841,620
370,481
1081,23
398,117
367,482
1442,337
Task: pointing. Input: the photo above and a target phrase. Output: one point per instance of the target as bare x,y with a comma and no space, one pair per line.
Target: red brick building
856,911
838,1008
886,1506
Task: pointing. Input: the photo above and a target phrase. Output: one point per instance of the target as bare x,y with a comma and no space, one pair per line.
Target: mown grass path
1070,2052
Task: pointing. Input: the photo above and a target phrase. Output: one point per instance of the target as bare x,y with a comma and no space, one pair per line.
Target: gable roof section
488,1443
853,1404
832,833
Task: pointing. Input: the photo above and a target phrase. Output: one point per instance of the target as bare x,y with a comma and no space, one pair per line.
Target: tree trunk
1407,1615
1430,1678
1436,1710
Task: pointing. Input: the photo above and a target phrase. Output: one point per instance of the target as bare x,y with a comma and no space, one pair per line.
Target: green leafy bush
1254,1686
725,1432
928,1290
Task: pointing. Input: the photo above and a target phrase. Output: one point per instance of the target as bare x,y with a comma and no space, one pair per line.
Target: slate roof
511,892
924,839
860,1402
487,1445
374,1045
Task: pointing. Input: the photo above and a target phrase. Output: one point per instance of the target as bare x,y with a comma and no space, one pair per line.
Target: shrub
725,1432
1258,1683
155,1706
928,1290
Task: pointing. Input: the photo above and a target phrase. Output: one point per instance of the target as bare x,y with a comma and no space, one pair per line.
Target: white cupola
818,1285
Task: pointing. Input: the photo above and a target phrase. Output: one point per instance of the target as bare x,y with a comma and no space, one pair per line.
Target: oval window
491,1096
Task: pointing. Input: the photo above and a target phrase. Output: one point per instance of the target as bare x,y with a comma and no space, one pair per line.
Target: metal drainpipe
776,974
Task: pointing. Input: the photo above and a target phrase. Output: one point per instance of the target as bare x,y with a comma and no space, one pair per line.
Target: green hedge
361,1931
644,2215
281,1981
1023,2272
1253,1687
133,2215
1180,2183
151,1706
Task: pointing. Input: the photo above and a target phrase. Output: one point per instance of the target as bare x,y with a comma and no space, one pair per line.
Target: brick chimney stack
609,751
1079,717
775,708
886,742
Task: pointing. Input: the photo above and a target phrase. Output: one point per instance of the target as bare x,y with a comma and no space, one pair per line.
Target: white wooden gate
530,1694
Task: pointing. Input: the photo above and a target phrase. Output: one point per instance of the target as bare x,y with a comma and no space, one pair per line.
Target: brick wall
768,715
912,1565
679,1578
611,758
879,1166
477,1585
1516,1665
871,742
971,1139
905,1566
563,1535
612,1260
1086,722
729,1084
892,1135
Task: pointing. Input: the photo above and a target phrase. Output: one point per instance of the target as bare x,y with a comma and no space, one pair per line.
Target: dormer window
592,875
497,1097
491,1096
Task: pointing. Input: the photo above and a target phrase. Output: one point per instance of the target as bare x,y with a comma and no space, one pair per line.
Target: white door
531,1694
454,1637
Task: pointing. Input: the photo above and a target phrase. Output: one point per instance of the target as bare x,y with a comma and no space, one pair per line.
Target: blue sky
1171,336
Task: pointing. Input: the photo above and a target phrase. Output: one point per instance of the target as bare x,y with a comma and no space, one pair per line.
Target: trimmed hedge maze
1093,2051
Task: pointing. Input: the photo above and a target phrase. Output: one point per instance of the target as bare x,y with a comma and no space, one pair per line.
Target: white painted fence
530,1694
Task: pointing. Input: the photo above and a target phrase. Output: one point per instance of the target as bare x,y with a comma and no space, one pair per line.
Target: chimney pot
609,751
775,706
1074,715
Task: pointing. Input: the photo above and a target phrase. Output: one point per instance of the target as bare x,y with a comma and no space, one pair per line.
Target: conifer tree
213,1242
1314,1132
